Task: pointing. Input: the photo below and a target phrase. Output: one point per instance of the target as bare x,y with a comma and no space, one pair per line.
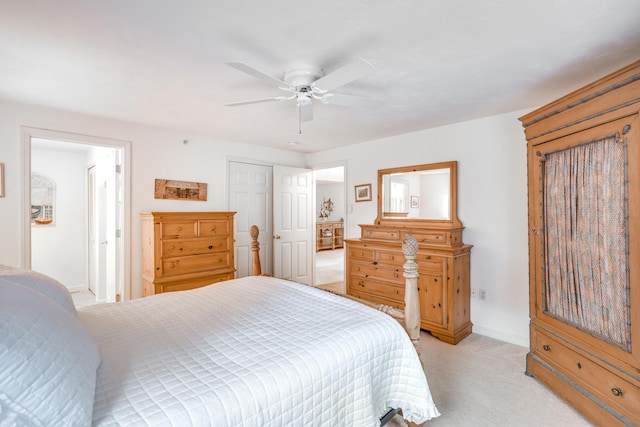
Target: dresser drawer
179,229
213,228
177,247
368,270
385,290
360,253
183,285
393,258
431,237
606,385
429,263
377,299
381,234
194,263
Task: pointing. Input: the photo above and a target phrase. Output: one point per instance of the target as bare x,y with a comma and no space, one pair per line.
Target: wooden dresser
374,262
374,273
186,250
584,247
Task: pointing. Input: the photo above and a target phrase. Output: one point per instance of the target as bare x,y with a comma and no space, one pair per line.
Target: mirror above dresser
419,193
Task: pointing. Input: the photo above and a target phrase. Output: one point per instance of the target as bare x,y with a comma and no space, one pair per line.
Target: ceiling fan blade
257,101
343,75
306,112
257,73
351,101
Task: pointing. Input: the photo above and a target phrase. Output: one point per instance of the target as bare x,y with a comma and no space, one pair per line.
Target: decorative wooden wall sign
180,190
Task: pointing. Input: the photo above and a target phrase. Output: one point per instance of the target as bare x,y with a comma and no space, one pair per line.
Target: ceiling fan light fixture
304,98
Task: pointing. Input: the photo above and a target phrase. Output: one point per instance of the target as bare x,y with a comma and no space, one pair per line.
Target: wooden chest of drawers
186,250
375,273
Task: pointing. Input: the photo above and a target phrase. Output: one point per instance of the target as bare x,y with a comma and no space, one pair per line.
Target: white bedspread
255,351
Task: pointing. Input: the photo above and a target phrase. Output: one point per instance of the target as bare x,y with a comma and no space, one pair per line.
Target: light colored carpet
481,382
83,298
329,266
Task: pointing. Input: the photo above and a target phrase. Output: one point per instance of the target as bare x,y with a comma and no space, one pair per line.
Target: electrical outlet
474,293
482,294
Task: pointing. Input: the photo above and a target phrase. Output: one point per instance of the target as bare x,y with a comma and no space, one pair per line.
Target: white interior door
293,224
250,196
92,242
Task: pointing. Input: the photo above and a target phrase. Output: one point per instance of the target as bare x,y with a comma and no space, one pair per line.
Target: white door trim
27,133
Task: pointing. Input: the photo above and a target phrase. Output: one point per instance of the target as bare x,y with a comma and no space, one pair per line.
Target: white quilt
256,351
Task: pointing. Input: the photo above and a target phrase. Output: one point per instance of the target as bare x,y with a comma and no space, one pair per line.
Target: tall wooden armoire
584,247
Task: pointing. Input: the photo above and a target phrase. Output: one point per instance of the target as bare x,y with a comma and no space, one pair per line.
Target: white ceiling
163,63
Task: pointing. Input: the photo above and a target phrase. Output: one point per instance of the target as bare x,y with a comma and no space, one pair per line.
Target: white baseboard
502,336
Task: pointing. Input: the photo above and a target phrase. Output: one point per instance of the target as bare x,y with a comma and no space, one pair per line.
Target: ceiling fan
305,82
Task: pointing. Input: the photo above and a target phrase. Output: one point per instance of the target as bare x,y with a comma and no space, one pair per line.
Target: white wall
492,205
335,192
58,250
156,153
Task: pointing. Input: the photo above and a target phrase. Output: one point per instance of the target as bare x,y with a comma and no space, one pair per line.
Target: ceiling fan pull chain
299,119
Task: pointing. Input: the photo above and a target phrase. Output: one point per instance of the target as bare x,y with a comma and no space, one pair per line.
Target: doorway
85,243
330,227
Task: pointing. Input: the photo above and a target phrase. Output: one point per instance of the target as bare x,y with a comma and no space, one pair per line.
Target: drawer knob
375,262
361,284
616,391
210,246
546,347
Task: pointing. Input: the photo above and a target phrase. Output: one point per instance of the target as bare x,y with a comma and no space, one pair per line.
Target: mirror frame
453,220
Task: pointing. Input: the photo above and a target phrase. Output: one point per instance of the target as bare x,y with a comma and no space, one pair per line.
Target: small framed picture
415,201
363,193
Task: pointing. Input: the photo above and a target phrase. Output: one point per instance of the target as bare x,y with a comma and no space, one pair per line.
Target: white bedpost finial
411,298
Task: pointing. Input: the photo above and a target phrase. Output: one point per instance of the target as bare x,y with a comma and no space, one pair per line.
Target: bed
255,351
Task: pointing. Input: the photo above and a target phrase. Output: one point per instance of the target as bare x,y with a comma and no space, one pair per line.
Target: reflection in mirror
43,190
421,192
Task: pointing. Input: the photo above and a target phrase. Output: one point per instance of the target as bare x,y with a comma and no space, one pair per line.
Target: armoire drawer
604,384
385,290
368,270
176,247
194,263
179,229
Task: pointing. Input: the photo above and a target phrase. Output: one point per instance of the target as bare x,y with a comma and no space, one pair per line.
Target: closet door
584,232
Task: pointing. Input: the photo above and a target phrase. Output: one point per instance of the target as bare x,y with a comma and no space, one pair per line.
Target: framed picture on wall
415,201
363,193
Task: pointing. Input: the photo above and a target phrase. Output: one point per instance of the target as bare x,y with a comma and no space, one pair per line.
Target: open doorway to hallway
330,226
76,197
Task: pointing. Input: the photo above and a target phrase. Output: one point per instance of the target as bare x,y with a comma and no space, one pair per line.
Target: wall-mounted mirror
419,193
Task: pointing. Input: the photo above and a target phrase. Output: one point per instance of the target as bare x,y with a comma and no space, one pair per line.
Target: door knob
277,236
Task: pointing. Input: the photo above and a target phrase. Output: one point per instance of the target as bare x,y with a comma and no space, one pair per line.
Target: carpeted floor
481,382
329,266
